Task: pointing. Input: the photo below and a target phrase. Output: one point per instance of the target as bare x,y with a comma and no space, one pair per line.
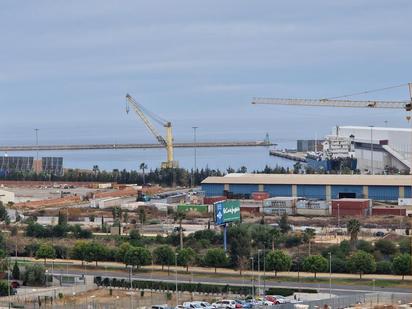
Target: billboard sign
227,211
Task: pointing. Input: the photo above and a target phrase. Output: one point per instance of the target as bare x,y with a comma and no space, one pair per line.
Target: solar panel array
16,164
53,165
49,165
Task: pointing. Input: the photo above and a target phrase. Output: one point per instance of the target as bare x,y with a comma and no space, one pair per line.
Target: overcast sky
65,66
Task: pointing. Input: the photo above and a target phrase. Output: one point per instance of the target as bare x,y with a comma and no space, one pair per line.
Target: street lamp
253,276
195,155
372,171
259,292
177,291
330,275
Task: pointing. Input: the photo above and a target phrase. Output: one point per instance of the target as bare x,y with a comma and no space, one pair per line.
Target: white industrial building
377,148
6,196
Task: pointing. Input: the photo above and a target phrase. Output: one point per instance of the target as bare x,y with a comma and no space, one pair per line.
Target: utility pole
37,150
372,171
195,155
253,277
330,276
177,289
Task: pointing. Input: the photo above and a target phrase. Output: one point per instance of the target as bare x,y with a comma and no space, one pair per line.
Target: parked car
193,305
225,304
160,306
276,299
379,234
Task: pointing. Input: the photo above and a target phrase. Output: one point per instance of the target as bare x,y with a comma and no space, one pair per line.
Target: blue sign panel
219,219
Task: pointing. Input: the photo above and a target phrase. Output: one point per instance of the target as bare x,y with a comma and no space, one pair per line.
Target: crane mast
167,142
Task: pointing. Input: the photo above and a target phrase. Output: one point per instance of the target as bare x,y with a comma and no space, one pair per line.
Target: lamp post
253,277
330,275
259,292
194,154
372,171
177,290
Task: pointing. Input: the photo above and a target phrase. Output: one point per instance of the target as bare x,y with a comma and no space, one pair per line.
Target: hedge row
191,287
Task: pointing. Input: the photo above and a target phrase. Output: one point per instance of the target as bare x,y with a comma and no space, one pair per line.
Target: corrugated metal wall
358,190
383,193
243,189
213,189
312,191
408,191
278,190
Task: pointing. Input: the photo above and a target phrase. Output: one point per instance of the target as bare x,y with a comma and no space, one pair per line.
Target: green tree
16,271
138,256
121,252
275,237
361,262
364,246
164,255
215,257
143,167
339,265
386,247
284,224
308,235
384,267
142,215
239,239
186,257
315,264
78,251
402,265
353,226
35,275
95,252
405,246
4,288
45,251
278,261
62,219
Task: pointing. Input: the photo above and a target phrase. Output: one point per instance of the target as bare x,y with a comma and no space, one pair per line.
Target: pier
134,146
298,156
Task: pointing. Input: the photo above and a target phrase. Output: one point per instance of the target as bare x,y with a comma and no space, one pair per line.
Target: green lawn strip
381,283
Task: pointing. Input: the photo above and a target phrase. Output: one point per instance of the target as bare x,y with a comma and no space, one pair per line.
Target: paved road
336,289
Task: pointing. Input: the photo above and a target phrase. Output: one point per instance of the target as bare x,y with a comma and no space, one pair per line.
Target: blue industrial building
323,187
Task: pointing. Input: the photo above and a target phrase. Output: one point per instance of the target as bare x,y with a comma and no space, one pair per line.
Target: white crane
405,105
167,142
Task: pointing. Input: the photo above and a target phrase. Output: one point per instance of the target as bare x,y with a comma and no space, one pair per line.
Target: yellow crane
143,113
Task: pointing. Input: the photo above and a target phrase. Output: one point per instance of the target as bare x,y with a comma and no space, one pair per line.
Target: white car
204,304
225,304
192,305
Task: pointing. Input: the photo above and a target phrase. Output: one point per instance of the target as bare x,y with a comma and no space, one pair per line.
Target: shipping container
260,196
110,202
312,211
104,185
281,202
312,204
191,207
213,199
348,203
390,211
250,209
405,201
278,211
349,212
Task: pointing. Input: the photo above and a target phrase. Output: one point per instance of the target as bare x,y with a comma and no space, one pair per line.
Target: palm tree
143,166
353,227
179,216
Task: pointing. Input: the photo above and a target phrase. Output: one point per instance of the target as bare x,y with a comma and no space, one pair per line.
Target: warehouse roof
300,179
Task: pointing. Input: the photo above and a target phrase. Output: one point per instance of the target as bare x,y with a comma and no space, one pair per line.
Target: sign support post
225,237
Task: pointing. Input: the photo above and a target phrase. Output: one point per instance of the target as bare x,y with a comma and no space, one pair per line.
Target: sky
65,67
